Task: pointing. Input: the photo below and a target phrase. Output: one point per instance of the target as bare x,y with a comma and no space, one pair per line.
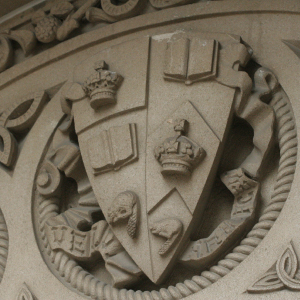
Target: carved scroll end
70,92
49,180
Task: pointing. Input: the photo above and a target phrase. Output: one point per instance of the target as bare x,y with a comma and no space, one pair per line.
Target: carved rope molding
87,284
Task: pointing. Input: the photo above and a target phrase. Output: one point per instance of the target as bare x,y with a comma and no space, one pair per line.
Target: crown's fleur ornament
179,155
102,85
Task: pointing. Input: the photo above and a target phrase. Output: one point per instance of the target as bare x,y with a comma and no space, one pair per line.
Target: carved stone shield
166,78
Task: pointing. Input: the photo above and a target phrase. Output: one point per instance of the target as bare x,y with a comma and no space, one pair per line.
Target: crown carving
179,155
102,85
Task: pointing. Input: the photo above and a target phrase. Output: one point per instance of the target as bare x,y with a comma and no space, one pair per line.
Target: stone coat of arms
144,142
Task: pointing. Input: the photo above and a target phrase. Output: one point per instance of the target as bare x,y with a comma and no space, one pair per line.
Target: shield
166,78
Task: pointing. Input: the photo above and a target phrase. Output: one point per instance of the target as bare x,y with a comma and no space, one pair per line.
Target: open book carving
113,148
191,60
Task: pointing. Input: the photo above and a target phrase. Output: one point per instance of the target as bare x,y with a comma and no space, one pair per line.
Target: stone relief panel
126,194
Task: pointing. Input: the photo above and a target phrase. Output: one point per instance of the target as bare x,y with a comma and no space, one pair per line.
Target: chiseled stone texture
159,178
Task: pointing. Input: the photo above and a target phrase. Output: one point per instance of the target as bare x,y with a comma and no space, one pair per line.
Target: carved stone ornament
179,155
284,274
102,86
25,294
147,159
131,217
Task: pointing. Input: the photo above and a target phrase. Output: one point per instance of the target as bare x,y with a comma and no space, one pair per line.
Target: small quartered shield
151,143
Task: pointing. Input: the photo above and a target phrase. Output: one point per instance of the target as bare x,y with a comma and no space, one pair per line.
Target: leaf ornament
6,53
25,38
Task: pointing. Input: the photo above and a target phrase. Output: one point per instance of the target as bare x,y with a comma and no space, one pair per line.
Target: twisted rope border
87,284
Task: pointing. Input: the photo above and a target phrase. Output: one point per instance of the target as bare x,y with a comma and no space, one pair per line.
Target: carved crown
179,155
102,85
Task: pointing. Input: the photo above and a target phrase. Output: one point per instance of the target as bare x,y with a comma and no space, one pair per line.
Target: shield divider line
147,121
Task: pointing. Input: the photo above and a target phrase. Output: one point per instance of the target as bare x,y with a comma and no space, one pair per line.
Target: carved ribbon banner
246,192
244,189
85,245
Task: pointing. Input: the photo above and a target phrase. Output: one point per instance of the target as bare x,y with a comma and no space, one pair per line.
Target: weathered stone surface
152,158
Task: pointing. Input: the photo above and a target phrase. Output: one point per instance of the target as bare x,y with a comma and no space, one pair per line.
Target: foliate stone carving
179,155
111,12
59,19
113,217
283,274
125,207
25,38
25,293
60,22
18,119
102,86
165,4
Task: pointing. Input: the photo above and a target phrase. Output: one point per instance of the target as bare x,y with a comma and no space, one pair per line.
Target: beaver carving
170,229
